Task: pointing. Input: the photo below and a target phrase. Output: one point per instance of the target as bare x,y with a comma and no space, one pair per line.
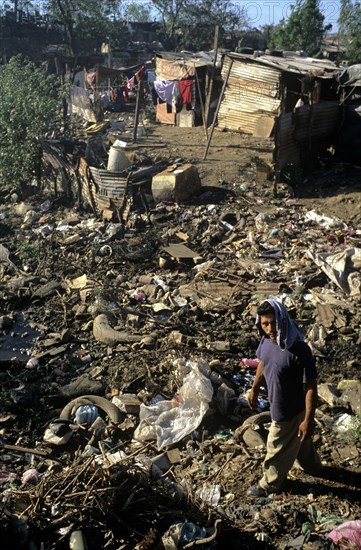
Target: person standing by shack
288,368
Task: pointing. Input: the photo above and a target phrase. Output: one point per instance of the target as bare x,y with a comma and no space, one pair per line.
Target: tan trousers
283,448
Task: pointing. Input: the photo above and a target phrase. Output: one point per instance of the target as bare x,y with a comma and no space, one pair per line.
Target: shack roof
351,76
293,64
199,59
175,66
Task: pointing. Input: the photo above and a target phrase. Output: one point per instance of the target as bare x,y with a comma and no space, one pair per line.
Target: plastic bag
210,494
347,533
184,534
175,419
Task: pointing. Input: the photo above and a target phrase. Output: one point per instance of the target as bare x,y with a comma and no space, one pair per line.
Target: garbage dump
128,349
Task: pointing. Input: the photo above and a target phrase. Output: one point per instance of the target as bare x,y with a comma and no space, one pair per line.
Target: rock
352,397
329,394
127,402
345,384
219,345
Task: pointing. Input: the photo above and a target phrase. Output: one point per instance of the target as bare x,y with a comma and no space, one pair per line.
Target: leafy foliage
303,30
197,26
350,29
140,13
170,12
31,104
28,251
85,19
189,24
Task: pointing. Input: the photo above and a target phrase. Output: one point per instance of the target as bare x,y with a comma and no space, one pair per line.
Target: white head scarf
288,332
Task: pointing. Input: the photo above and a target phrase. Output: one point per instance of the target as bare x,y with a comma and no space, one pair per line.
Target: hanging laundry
151,76
155,97
125,94
164,89
185,90
90,79
131,83
176,98
140,75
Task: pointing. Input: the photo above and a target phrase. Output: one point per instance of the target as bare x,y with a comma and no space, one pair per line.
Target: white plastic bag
175,419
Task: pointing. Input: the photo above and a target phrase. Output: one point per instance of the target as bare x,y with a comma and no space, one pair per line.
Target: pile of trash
128,349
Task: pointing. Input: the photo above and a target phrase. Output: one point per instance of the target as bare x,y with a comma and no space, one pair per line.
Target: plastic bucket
117,160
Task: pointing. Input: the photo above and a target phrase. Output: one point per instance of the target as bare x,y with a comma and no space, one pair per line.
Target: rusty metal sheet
253,92
111,193
110,184
307,133
323,68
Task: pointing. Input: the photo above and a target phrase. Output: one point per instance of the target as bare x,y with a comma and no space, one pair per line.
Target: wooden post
109,64
217,110
201,102
209,93
137,109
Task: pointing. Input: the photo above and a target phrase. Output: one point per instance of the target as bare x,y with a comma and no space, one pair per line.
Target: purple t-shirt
285,372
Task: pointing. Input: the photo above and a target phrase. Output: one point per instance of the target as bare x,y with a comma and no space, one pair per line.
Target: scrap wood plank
180,251
264,127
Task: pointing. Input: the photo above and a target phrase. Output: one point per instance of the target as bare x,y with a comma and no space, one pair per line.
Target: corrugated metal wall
253,91
306,133
348,147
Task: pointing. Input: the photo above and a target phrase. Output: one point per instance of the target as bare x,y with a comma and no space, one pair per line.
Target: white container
117,160
141,130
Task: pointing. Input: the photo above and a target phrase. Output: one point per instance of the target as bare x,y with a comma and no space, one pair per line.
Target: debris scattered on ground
128,348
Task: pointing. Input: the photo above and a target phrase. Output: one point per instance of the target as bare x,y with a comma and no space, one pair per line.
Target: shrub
31,102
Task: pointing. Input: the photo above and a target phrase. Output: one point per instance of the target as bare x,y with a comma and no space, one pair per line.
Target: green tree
303,30
189,24
138,13
85,19
197,25
349,23
31,103
170,12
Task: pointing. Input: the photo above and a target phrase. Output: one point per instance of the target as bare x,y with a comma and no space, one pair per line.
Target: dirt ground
334,188
164,319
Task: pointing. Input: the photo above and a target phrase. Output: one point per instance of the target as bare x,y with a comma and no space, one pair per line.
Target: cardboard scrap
264,127
181,252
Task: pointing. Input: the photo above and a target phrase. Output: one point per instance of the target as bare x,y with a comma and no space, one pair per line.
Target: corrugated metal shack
180,66
348,148
292,99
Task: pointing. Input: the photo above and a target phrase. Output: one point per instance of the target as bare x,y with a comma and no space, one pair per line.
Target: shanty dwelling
181,87
348,147
293,100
